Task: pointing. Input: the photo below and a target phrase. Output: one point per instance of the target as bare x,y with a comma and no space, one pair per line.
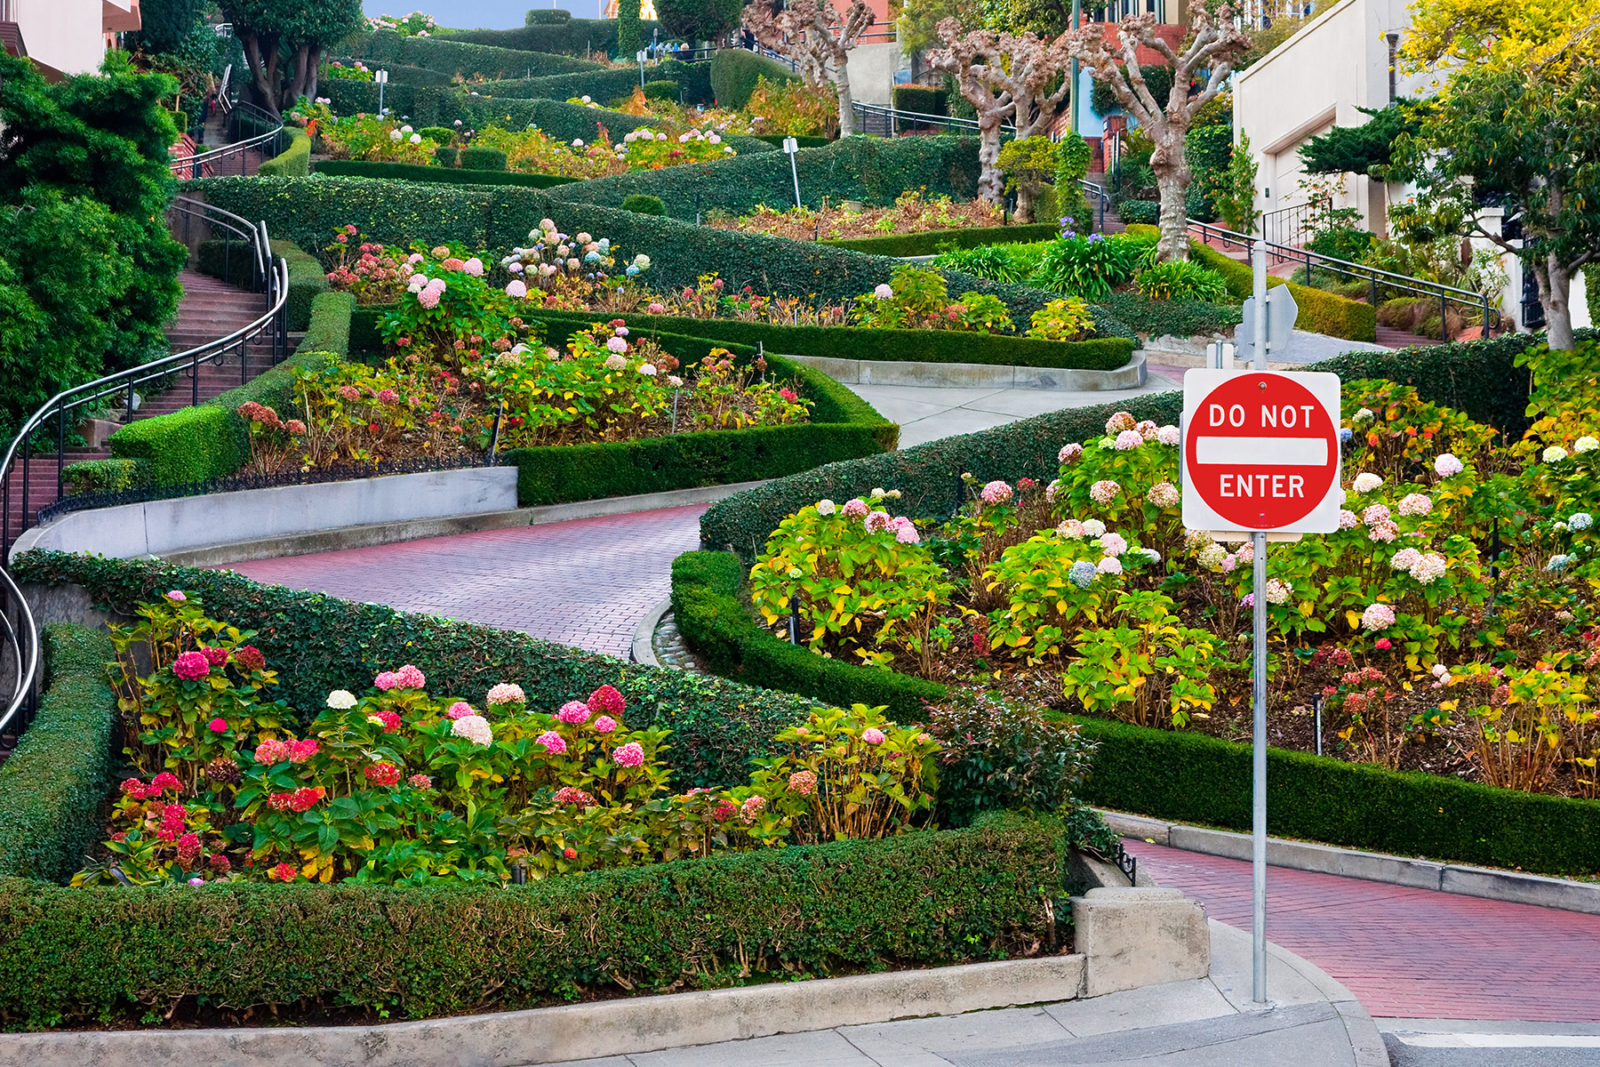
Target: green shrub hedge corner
927,244
664,89
292,162
444,154
712,611
1176,318
417,172
56,781
992,891
777,139
448,55
495,220
472,158
921,99
874,170
188,445
931,346
644,204
1189,777
104,475
734,72
317,643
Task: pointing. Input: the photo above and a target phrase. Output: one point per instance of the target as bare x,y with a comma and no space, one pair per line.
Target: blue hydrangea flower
1082,574
1345,435
1580,520
1558,563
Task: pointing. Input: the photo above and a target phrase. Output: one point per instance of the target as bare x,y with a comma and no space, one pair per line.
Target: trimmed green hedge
1320,311
993,891
56,781
777,139
317,643
874,170
712,612
575,37
421,105
1189,777
927,244
931,346
475,158
602,84
294,161
450,55
416,172
1178,318
734,72
187,445
495,220
921,99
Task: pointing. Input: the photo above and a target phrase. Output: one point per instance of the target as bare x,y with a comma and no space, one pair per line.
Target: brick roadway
1408,953
587,582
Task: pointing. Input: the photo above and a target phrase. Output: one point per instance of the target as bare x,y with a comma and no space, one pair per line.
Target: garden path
1407,953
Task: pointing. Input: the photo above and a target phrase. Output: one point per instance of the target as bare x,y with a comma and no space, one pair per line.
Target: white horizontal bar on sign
1263,451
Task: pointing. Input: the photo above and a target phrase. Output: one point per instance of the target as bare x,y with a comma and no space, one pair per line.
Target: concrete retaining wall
1130,375
162,527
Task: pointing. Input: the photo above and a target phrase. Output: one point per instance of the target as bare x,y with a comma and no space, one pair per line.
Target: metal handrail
194,166
1374,276
891,119
1101,198
21,647
1295,219
271,274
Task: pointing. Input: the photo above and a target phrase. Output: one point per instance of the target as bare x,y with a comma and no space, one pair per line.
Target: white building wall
69,36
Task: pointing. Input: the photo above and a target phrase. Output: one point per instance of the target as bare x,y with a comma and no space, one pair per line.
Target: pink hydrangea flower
191,666
573,712
409,677
506,693
474,728
1113,544
629,755
1129,439
420,781
1109,565
1163,495
1071,529
1070,453
1104,491
1169,435
878,520
607,700
300,751
1347,519
855,508
1377,617
996,492
176,596
803,782
1446,464
883,292
218,726
474,267
617,345
553,742
516,289
604,724
1384,531
459,710
905,531
1415,504
1374,514
271,752
428,297
752,806
386,681
873,736
1405,559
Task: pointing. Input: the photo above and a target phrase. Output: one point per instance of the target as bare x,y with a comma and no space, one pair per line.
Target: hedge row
447,55
399,74
776,140
319,643
1476,377
416,172
576,37
712,611
734,73
921,99
874,170
420,105
1320,311
930,346
293,161
561,120
1188,777
927,244
495,220
1176,318
604,85
109,955
57,779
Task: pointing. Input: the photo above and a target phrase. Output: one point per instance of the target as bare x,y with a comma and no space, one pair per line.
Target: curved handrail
21,647
193,166
272,274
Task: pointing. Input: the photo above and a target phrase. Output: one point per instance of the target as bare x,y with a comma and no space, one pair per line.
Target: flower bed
911,213
440,946
1447,628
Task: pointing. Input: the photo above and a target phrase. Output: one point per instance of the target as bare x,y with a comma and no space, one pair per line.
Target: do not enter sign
1261,451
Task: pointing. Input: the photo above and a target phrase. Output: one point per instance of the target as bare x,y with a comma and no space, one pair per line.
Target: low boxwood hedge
450,56
416,172
933,242
777,139
734,72
187,445
569,36
992,891
293,161
56,781
1176,318
712,611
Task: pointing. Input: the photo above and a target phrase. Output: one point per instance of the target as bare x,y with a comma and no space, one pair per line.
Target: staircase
208,310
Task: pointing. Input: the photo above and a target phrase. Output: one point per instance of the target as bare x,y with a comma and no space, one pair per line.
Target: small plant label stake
1260,459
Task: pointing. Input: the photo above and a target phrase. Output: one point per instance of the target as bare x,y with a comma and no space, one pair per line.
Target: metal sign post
382,78
640,56
790,147
1260,460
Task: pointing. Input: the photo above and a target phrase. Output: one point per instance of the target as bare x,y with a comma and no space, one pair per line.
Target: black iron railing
233,158
1294,225
1382,284
878,121
270,277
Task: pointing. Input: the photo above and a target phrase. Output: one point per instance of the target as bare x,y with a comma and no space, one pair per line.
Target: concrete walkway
1209,1022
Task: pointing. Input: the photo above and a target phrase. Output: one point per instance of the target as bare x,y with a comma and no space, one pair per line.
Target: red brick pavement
1408,953
587,582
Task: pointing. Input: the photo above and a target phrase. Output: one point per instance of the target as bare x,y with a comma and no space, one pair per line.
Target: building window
1394,46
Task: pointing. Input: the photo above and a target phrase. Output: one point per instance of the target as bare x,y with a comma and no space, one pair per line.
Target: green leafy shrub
439,135
61,771
644,204
1181,279
547,31
1005,755
1139,212
481,159
921,99
1088,267
734,72
294,161
661,90
412,172
976,239
1064,320
610,84
461,55
103,475
992,262
1175,318
445,154
188,445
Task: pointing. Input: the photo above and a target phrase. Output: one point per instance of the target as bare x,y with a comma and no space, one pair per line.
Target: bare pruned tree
819,39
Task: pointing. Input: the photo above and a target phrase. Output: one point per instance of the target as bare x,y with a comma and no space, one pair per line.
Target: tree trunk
263,87
1027,194
316,68
297,83
991,180
1171,166
847,111
1555,290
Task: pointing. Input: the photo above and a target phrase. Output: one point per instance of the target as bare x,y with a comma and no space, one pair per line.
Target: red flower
382,774
249,658
1383,644
215,656
606,701
132,787
570,853
164,781
218,726
283,872
304,799
219,863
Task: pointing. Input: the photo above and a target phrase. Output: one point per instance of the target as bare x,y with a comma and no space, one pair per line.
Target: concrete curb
1511,886
576,1031
644,650
1365,1039
365,536
1130,375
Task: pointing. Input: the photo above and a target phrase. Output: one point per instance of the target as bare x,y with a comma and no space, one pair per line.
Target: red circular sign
1261,451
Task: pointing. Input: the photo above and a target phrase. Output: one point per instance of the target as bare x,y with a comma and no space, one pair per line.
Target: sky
478,14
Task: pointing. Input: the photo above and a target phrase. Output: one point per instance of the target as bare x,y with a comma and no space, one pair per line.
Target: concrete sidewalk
1311,1020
